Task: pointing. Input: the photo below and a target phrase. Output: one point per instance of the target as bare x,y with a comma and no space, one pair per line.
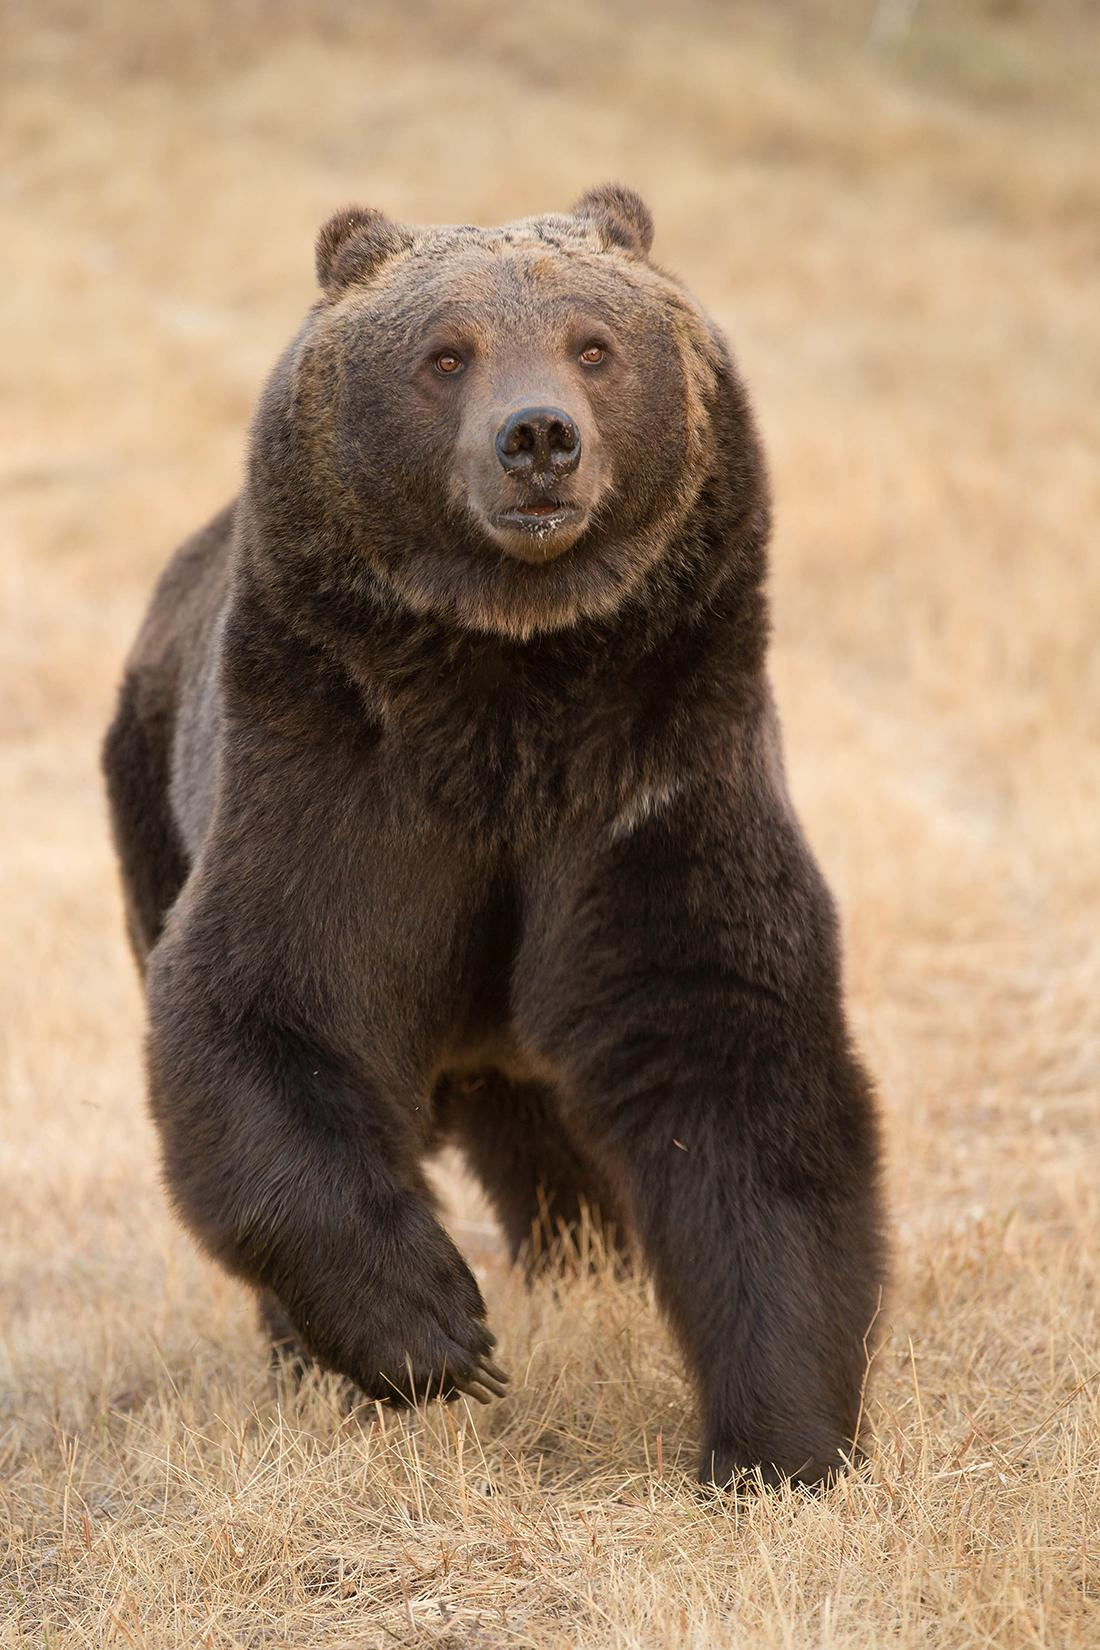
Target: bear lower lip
537,533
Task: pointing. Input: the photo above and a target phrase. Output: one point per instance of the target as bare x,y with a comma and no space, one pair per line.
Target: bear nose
539,438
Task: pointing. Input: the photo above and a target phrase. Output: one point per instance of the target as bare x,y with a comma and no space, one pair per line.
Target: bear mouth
543,516
538,530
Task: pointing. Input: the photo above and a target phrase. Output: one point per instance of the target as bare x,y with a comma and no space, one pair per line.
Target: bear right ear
353,243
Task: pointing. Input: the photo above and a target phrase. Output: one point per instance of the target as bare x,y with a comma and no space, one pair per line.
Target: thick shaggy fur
423,839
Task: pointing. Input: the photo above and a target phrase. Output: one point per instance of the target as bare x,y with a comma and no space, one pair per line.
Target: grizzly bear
447,787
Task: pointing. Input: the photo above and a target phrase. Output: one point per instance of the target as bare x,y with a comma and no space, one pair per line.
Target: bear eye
592,354
448,362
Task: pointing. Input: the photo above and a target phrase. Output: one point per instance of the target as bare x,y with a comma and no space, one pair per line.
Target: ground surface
902,242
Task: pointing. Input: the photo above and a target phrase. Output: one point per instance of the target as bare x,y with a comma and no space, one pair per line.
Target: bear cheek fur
652,432
385,446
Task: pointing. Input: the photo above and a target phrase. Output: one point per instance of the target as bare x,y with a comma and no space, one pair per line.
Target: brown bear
447,787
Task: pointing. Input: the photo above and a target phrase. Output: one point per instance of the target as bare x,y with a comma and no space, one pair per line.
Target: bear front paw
410,1326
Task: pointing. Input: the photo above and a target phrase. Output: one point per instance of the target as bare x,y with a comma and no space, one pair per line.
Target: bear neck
582,720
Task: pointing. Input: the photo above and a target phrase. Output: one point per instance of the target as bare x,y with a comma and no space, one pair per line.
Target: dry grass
904,249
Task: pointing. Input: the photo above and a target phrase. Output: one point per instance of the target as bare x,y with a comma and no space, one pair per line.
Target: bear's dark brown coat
447,787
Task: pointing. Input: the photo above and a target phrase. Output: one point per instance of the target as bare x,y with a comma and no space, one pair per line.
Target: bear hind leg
554,1204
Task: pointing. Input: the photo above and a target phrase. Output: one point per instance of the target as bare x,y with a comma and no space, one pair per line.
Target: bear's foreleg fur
687,987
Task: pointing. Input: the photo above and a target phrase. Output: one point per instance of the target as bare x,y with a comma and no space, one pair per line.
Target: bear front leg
685,986
302,1181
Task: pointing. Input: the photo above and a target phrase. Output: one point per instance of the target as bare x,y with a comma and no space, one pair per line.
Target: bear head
508,429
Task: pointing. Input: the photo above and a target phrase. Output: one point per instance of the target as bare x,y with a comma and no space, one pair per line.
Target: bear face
533,405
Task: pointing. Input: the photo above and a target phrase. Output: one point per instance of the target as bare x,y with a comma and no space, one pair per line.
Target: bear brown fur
447,787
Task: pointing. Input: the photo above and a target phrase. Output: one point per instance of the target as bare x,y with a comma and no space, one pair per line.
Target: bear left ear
354,242
622,215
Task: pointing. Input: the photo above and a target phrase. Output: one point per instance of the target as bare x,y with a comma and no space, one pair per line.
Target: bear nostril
563,436
540,438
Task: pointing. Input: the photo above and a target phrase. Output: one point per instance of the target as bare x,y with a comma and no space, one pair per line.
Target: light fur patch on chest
643,805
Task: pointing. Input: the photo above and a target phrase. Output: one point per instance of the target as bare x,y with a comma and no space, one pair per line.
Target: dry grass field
903,240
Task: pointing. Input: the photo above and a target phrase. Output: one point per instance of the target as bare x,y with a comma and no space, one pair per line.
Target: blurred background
894,210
